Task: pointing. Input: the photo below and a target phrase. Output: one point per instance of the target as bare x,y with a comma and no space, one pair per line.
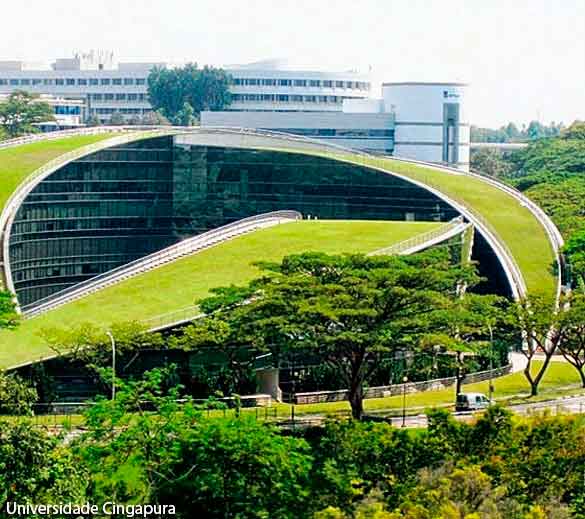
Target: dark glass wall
123,203
93,215
215,186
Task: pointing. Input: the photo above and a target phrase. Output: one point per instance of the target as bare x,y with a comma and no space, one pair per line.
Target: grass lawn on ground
561,379
558,375
180,284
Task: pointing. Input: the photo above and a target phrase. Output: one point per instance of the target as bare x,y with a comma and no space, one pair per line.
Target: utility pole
491,388
112,340
404,381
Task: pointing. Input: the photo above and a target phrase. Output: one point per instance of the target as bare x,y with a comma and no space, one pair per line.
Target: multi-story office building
423,121
108,88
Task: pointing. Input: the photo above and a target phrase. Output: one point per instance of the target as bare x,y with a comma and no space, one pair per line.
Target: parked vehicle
471,402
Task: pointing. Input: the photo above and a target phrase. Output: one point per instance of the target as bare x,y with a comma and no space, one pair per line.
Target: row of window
317,83
67,110
287,98
118,81
119,97
336,132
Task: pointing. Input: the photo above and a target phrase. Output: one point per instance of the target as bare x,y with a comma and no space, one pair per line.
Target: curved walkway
186,247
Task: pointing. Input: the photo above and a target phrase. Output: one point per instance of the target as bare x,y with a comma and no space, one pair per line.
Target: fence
317,397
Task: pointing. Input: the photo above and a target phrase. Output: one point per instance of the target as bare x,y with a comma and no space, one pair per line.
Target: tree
90,344
535,321
93,120
154,118
21,111
572,344
16,396
186,116
8,315
172,91
574,250
462,326
349,310
574,132
117,119
146,446
490,162
34,468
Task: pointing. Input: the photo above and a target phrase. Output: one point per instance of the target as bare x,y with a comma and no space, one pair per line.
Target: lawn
558,375
180,284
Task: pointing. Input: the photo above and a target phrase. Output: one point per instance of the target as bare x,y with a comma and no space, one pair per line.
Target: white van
471,402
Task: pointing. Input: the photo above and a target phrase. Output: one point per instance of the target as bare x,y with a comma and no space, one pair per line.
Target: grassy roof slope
178,285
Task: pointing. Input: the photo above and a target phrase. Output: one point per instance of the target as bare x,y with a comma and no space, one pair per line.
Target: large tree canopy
21,111
182,93
350,311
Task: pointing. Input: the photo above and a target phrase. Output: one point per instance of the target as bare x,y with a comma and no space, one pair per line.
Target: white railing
424,240
186,247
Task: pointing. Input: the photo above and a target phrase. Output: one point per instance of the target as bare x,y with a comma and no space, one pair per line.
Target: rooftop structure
75,207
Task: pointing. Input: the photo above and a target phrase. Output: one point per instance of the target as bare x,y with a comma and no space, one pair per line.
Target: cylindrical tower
432,123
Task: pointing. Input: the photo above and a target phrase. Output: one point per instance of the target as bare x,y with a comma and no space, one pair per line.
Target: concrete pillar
268,380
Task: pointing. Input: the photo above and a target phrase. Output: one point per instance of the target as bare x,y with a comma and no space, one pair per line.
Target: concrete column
268,381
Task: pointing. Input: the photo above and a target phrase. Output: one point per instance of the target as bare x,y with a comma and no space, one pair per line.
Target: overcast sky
525,59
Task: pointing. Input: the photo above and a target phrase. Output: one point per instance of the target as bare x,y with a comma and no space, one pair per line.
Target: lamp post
404,381
109,334
491,388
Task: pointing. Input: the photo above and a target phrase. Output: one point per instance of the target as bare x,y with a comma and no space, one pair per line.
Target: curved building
78,206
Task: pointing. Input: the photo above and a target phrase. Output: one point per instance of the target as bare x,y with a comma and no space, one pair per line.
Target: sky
525,59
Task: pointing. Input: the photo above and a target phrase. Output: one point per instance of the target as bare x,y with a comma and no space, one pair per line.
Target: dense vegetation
511,133
180,94
21,112
552,172
145,448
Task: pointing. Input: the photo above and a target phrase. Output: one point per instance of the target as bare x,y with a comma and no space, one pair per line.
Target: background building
422,121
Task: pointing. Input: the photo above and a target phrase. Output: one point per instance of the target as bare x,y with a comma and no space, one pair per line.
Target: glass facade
123,203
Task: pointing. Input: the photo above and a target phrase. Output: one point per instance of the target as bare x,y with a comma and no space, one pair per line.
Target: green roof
178,285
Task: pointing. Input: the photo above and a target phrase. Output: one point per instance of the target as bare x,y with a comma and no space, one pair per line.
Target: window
59,81
141,81
3,81
142,97
93,81
314,83
269,82
310,99
105,81
36,81
108,97
14,82
117,81
82,82
300,82
284,82
48,81
339,84
322,99
70,81
283,98
132,97
25,81
328,83
296,99
97,97
237,81
120,97
128,81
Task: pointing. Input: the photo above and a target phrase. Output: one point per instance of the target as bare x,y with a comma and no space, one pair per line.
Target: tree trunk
581,374
356,400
